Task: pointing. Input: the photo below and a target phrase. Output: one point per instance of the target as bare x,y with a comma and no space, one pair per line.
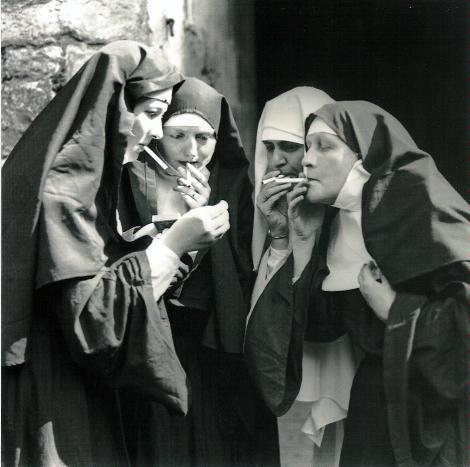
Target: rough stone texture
44,42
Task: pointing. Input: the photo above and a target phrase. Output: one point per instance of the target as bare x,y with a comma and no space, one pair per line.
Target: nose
309,159
156,130
192,149
278,158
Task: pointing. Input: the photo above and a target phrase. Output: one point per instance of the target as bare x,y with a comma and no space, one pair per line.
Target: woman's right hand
304,218
272,204
198,228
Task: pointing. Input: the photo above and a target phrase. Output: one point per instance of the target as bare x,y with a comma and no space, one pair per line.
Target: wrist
173,244
278,234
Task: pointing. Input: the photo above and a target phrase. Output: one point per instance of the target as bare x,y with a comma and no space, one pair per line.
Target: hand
198,228
304,218
271,202
198,193
182,271
376,290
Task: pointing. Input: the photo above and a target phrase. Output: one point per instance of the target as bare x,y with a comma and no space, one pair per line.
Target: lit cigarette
289,180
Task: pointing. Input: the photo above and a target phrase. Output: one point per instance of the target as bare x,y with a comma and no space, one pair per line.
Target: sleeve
114,329
425,365
438,345
163,266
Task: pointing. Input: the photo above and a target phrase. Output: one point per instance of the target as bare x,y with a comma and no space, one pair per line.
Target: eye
289,147
269,147
153,114
202,138
177,135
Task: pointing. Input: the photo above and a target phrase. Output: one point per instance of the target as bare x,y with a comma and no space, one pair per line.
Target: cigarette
289,180
189,178
268,180
157,159
160,161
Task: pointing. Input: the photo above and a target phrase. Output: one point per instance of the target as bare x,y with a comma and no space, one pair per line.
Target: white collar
350,196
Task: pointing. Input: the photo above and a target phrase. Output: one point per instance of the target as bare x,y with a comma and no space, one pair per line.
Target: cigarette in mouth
289,180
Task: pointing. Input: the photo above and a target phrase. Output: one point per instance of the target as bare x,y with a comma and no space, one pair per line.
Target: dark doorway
406,56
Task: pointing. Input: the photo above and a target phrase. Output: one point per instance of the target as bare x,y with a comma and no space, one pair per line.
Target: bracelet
277,237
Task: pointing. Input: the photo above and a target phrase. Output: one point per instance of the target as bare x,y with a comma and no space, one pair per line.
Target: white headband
320,126
189,119
275,134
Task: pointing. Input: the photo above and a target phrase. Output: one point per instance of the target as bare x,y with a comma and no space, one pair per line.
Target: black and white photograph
235,233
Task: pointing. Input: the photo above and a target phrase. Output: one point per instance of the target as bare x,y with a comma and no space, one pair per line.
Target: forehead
280,142
190,130
151,105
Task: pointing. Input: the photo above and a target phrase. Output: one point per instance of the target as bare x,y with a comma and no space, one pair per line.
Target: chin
315,196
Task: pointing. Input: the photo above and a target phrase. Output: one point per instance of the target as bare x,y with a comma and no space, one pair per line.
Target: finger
199,187
294,203
219,231
366,276
216,210
190,201
297,191
198,175
219,221
173,281
183,267
274,189
273,199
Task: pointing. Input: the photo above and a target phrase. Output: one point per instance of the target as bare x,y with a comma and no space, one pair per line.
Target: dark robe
227,424
78,315
408,398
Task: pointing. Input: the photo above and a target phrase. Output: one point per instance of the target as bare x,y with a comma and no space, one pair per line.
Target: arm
114,328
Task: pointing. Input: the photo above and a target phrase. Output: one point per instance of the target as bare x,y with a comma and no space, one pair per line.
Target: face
147,124
182,144
285,156
327,163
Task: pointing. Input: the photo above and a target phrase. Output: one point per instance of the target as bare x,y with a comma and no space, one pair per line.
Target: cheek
138,128
206,151
295,160
169,148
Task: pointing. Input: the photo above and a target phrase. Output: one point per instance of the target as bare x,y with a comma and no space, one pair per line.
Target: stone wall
45,41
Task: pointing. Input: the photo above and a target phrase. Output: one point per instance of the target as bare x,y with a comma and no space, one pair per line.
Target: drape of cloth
297,449
89,337
79,318
226,425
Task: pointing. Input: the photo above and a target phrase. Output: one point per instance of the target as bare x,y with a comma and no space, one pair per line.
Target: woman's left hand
376,290
198,193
